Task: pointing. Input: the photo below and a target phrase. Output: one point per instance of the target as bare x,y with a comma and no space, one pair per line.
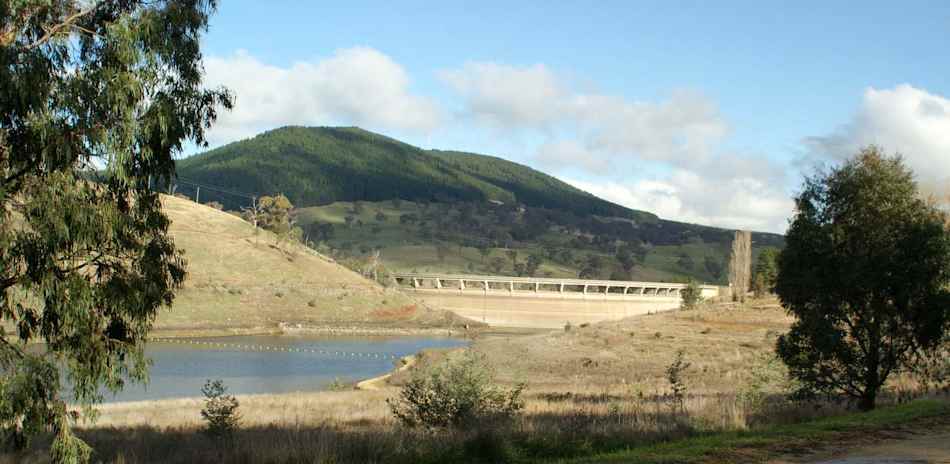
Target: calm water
179,370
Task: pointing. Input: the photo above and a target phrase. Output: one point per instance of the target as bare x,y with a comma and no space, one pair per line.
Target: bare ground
721,341
924,442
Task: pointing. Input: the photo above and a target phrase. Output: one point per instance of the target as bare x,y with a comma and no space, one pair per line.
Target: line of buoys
244,347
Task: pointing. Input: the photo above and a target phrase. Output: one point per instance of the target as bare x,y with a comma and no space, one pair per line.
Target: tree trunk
872,376
740,265
868,399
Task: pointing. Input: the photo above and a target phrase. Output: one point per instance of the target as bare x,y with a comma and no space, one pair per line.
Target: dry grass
722,341
291,409
591,390
344,427
240,278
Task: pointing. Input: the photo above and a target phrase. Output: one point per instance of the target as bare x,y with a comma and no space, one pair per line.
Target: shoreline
298,329
379,382
348,329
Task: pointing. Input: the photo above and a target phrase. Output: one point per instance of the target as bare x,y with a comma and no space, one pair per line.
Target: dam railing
541,286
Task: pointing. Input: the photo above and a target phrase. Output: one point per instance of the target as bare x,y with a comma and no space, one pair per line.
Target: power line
220,189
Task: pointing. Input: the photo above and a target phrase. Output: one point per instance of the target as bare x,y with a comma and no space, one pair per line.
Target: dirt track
919,447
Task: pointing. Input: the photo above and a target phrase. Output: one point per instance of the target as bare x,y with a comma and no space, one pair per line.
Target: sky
704,112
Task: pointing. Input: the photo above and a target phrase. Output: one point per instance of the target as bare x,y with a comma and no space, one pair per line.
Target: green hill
320,165
357,192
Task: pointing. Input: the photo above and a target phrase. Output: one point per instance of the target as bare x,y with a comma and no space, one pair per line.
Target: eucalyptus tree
865,271
96,100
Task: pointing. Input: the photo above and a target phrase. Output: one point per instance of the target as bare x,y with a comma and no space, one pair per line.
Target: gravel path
923,448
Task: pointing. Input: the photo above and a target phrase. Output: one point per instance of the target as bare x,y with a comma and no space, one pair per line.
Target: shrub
458,392
491,444
337,385
932,367
220,410
674,374
692,295
765,372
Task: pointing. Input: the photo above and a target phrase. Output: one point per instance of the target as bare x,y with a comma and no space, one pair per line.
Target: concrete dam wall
527,309
543,302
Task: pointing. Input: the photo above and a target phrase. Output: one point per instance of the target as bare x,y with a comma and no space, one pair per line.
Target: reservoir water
288,364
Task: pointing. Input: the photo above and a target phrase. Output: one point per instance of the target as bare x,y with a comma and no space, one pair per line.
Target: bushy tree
96,99
691,296
520,269
533,263
713,266
220,411
630,255
276,214
408,218
459,392
685,262
865,271
497,264
513,256
484,251
765,272
592,267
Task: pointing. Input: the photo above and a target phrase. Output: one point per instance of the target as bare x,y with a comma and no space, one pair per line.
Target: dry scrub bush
674,374
457,392
931,368
220,410
692,296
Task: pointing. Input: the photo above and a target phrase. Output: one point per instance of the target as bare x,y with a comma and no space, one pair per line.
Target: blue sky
698,111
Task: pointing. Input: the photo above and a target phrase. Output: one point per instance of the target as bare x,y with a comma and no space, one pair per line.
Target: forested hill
321,165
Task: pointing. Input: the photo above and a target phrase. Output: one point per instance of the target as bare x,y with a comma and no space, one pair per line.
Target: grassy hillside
320,165
374,192
415,246
239,278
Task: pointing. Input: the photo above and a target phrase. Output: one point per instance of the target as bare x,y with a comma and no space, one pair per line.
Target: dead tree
253,214
740,265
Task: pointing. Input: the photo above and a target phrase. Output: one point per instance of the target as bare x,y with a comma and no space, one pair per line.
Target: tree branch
58,27
12,348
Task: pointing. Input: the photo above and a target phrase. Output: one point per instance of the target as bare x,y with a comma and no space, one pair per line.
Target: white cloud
359,86
904,119
610,136
713,194
679,130
509,97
